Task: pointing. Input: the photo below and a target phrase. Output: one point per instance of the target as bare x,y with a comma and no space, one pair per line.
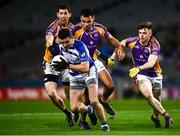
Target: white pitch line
29,114
57,113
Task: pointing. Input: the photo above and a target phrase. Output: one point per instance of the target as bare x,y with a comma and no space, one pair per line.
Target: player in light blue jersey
147,71
83,73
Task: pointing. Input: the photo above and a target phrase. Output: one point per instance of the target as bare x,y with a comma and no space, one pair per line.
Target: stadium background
23,24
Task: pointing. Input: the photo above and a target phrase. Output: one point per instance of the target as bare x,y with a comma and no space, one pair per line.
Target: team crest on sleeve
83,54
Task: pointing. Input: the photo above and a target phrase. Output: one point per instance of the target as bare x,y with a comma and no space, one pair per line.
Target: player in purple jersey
51,77
91,33
147,71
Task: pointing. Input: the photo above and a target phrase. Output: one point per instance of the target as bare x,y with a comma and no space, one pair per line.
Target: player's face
63,16
67,42
87,22
145,35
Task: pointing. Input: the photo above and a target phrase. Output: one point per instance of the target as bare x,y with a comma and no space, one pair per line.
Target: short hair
63,6
86,12
147,25
64,33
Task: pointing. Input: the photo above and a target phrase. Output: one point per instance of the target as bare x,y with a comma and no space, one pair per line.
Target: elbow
151,65
85,69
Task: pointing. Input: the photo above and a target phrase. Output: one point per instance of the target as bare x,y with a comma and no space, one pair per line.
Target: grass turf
43,118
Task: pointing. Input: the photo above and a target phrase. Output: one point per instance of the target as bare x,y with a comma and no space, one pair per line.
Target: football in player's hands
59,63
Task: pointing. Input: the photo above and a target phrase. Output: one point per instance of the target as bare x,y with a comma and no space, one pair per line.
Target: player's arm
63,64
49,40
108,60
82,67
149,64
119,51
49,44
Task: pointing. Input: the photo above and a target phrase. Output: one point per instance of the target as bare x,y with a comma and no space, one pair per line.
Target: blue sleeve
83,51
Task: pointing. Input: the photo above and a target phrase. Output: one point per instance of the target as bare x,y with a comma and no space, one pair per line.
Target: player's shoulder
132,39
99,25
78,26
54,24
154,41
78,43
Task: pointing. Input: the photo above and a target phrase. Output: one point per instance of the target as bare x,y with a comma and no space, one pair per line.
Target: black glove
59,66
104,57
52,50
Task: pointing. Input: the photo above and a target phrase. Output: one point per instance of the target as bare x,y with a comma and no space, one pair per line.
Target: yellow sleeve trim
131,45
102,32
78,33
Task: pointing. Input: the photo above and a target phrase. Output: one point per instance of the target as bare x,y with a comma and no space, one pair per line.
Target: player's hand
134,71
110,62
121,53
59,66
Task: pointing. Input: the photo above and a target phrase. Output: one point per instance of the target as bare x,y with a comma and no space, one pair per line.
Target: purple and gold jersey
90,38
53,29
141,53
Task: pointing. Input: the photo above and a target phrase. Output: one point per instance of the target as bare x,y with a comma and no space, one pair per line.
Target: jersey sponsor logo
96,34
141,56
137,47
83,54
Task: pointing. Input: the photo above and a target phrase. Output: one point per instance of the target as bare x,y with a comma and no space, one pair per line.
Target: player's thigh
145,87
93,92
75,96
157,87
66,91
106,78
50,83
103,74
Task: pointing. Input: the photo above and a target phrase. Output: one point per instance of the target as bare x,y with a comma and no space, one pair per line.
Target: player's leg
50,82
157,87
65,82
51,89
155,114
82,122
97,106
92,85
77,87
145,87
107,81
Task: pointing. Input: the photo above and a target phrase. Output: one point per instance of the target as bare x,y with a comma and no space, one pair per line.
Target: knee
52,94
94,103
74,107
148,96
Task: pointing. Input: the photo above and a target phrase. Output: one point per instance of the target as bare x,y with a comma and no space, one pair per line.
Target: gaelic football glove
110,62
59,66
134,71
52,50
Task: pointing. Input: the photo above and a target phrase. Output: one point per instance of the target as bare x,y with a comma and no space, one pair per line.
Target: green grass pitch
43,118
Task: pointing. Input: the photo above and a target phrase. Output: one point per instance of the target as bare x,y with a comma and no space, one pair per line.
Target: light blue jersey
76,54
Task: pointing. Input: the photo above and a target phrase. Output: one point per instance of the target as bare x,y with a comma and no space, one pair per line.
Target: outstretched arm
119,51
108,60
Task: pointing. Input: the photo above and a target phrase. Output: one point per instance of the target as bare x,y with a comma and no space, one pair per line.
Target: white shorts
64,75
81,81
155,81
99,65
